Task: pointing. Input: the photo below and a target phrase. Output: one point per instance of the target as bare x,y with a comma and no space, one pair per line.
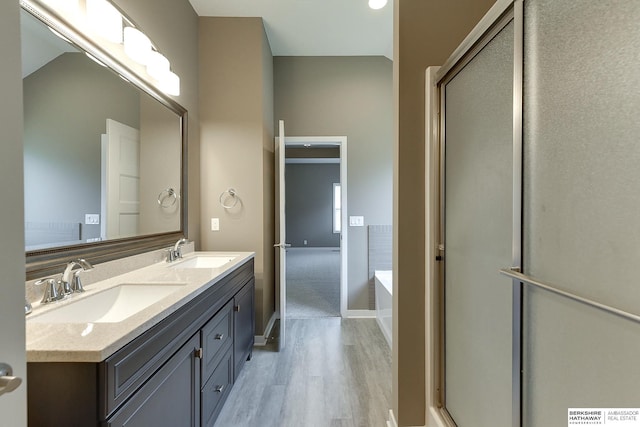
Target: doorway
315,170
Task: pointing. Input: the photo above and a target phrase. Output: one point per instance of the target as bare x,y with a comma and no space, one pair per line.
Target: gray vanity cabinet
170,398
178,373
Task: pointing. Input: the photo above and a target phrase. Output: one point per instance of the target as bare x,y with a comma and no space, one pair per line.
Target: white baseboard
261,340
392,419
359,314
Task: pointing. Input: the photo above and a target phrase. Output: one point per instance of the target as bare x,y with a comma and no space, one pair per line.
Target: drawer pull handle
218,388
219,336
236,308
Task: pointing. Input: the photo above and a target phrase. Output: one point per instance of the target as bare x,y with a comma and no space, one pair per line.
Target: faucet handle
51,292
76,285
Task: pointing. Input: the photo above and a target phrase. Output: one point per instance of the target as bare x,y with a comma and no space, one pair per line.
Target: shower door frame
498,17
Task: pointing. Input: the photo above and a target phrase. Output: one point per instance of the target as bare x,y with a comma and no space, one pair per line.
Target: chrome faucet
57,289
176,252
51,292
71,284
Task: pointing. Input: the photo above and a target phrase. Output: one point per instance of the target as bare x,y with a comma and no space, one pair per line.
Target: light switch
215,224
356,221
92,219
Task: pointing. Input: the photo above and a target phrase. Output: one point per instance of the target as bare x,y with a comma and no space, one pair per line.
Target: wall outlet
92,219
356,221
215,224
304,242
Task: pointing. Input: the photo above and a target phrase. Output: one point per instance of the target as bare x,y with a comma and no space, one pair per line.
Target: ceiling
314,27
39,45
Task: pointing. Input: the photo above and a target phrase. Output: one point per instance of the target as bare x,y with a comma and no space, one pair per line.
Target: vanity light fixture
170,84
157,65
377,4
159,68
105,20
137,45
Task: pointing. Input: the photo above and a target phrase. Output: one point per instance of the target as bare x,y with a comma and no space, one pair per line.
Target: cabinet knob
218,388
236,308
219,336
199,353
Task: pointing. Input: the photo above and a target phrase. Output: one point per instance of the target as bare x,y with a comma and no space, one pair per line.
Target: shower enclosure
538,244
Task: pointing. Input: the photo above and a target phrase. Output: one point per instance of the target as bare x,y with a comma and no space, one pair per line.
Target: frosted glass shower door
581,206
478,204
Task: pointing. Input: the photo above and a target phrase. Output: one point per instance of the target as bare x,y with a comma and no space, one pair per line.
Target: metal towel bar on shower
547,287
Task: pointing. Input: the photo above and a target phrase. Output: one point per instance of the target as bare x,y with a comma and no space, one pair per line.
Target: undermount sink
110,306
205,261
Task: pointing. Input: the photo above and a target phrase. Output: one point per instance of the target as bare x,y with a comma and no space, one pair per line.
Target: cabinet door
243,326
170,398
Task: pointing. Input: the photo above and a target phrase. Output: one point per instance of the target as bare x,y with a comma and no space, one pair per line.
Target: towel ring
232,194
167,197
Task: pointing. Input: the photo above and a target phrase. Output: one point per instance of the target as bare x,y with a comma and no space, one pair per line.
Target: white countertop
94,342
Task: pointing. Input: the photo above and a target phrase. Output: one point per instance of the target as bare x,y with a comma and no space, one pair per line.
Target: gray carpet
313,283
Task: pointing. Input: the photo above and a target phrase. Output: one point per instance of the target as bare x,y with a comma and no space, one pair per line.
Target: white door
281,246
120,181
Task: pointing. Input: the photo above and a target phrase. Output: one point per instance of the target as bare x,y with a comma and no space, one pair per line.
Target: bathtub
384,302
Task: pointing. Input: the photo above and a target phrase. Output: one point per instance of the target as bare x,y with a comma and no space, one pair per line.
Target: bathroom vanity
173,363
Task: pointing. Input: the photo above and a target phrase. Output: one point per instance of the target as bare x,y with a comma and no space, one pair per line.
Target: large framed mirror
104,151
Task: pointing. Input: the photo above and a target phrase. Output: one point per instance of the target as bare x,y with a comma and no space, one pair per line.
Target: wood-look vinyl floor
333,372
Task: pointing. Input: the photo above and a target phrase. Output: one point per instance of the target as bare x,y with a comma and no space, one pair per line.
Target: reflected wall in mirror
102,157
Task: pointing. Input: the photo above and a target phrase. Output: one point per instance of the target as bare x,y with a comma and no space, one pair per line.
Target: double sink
121,301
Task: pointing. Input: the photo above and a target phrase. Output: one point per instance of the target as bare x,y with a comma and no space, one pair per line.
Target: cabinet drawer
216,339
216,390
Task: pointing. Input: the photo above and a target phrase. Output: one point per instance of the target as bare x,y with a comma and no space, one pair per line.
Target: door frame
341,142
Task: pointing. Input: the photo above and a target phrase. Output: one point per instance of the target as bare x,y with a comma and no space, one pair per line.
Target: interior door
120,181
281,245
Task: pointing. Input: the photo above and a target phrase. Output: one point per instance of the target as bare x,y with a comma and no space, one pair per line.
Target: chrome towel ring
167,197
228,194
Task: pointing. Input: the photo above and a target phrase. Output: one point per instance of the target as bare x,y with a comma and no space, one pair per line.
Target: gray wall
236,103
66,103
13,405
309,204
346,96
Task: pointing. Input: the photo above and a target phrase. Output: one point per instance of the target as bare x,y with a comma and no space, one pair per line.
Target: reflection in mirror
102,159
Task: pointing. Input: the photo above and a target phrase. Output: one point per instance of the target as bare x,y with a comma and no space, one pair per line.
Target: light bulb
377,4
170,84
137,45
105,19
157,65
